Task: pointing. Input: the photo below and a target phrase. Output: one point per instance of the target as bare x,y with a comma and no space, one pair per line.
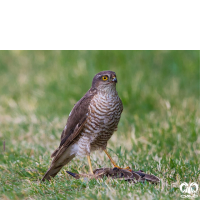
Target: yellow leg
113,162
90,165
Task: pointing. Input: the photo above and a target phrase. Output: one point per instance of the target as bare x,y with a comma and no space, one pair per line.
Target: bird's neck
108,91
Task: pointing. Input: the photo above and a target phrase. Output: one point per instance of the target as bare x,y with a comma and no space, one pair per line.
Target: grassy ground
158,132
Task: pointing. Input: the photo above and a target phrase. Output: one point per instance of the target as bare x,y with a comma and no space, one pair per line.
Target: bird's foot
126,168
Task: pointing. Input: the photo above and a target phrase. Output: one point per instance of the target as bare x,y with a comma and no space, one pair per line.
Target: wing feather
75,123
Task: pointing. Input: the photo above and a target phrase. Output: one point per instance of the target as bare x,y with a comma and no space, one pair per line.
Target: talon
128,168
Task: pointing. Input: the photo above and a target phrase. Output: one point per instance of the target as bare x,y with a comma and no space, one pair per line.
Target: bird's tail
55,168
55,153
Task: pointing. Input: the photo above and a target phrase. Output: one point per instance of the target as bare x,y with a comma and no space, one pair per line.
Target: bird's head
105,81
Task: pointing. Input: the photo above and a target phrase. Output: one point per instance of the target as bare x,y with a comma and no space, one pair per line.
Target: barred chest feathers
103,118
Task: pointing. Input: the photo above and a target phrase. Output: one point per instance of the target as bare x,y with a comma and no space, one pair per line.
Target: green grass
158,132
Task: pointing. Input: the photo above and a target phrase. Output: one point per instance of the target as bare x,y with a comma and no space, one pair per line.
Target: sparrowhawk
90,124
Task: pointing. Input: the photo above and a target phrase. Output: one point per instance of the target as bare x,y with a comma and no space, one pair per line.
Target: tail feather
51,173
54,153
55,168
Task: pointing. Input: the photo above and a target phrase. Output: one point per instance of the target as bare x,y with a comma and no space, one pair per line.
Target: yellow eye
104,78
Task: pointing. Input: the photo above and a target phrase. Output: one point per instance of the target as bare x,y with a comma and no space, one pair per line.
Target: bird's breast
103,118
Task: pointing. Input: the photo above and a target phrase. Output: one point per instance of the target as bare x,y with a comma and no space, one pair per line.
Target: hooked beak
114,79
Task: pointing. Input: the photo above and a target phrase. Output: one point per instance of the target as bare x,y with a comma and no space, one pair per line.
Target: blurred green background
62,77
159,90
154,86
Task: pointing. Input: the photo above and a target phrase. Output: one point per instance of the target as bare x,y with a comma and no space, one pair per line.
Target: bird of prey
90,124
